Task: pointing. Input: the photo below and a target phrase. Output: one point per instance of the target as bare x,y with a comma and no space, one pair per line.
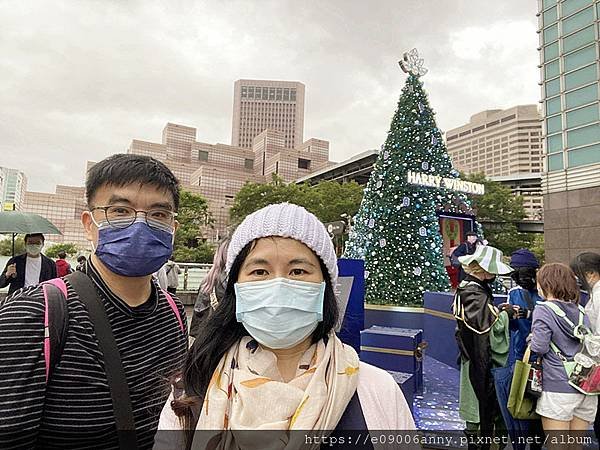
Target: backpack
56,320
584,370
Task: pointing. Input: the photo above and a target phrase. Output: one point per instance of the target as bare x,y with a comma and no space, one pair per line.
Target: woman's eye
259,272
298,272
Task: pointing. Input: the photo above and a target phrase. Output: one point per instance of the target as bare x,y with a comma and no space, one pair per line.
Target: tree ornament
417,271
423,231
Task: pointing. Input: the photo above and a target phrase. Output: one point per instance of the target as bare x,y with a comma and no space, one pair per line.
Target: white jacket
592,308
382,402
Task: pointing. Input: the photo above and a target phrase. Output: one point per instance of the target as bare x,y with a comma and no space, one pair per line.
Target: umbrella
15,222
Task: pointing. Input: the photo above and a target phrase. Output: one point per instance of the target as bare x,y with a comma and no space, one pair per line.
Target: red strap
60,284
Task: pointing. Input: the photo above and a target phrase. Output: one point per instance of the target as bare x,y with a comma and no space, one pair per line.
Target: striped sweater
74,410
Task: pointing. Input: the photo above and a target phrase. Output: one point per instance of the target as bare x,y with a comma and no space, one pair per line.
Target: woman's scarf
247,392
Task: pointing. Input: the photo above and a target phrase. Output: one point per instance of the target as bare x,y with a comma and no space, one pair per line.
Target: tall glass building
569,36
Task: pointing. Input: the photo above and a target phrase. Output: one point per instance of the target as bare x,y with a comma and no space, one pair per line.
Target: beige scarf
247,392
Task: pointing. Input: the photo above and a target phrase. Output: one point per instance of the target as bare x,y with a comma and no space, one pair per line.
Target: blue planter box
394,349
406,383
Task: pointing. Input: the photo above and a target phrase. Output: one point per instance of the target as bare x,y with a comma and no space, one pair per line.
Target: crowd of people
100,356
542,324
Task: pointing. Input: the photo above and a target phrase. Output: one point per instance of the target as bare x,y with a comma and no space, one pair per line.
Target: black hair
81,258
123,169
471,233
584,263
28,235
525,277
220,332
62,255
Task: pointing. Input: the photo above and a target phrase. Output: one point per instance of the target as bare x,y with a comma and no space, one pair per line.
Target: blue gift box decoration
395,349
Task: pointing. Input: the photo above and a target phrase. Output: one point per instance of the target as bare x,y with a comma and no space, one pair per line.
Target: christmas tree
396,229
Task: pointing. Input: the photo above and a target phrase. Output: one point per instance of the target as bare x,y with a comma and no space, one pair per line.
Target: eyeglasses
124,216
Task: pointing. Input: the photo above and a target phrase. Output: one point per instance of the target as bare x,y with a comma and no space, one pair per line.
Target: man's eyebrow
118,199
300,261
162,205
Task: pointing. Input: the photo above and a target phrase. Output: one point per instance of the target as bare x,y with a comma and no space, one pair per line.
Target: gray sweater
546,327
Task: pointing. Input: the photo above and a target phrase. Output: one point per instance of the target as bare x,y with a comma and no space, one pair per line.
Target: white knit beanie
285,220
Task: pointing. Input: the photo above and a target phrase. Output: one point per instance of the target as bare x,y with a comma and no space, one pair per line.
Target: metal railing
191,276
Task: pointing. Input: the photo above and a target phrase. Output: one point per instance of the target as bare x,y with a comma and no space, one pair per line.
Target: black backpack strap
115,374
58,324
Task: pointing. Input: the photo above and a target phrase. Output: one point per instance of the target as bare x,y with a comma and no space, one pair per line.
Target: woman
268,357
521,303
477,329
211,290
561,407
587,268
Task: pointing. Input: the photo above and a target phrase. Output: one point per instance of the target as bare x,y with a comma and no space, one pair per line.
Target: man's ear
88,226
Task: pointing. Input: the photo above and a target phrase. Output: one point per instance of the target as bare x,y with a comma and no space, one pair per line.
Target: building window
577,21
550,16
583,156
199,181
581,96
582,116
579,39
580,58
202,155
304,164
551,33
583,136
249,163
551,52
581,77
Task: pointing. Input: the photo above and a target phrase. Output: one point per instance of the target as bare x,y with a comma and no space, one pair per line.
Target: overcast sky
80,80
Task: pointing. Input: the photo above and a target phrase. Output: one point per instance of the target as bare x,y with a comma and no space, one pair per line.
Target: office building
261,104
504,145
568,34
13,184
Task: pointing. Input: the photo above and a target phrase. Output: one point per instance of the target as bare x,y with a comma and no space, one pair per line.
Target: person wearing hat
523,299
476,316
267,358
521,303
466,248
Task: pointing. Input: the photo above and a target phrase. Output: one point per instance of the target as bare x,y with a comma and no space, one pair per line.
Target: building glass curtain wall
569,63
569,58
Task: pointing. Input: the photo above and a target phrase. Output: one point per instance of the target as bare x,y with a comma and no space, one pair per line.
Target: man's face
141,198
34,245
471,239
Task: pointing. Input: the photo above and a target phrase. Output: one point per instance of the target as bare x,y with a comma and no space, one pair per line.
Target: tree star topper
411,63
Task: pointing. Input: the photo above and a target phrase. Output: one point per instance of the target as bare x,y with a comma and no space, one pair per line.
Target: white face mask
279,313
34,249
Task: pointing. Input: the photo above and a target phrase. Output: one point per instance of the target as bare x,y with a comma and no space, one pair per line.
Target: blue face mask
135,251
279,313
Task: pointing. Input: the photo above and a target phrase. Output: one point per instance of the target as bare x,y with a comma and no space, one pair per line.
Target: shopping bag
520,404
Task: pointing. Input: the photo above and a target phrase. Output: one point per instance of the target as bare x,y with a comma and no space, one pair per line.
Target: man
130,222
172,270
466,248
30,268
63,268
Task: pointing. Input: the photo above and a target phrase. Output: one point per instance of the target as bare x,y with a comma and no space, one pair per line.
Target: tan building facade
502,144
63,208
218,171
259,105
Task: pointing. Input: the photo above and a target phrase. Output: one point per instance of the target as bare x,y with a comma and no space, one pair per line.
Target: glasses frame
137,213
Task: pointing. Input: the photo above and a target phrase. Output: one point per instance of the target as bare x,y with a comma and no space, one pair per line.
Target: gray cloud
81,79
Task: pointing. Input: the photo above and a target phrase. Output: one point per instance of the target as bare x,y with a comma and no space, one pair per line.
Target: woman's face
278,257
592,278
